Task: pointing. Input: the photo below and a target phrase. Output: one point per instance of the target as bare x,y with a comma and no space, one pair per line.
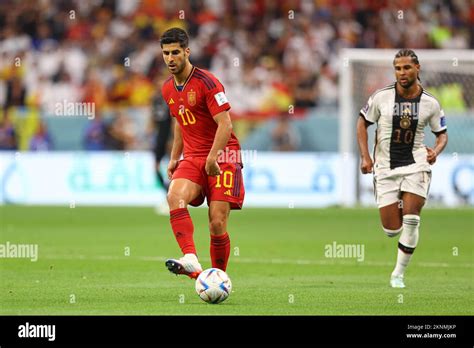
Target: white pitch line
238,259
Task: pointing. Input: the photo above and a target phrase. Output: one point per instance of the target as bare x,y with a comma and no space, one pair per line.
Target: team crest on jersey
192,98
405,120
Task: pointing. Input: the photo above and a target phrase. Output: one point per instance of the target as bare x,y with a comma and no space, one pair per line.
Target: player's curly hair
408,53
175,35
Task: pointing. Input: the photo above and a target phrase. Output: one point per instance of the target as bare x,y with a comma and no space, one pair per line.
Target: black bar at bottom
349,330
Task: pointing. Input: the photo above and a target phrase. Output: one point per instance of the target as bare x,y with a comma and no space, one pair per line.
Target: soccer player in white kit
401,164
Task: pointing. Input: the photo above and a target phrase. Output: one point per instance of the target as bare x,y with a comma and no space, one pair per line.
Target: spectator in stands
285,136
95,133
327,86
120,134
8,139
41,140
94,90
306,91
16,92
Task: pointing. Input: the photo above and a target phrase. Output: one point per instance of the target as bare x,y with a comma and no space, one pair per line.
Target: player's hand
212,168
431,156
171,167
366,165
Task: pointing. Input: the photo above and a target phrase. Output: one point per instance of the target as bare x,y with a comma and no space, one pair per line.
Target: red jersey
201,98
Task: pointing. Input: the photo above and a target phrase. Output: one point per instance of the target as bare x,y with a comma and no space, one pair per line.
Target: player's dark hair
174,35
408,53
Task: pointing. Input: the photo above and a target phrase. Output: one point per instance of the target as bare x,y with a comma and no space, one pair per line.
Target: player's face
406,71
175,57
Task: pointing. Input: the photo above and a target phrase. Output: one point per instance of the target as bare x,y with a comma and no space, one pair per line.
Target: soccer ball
213,285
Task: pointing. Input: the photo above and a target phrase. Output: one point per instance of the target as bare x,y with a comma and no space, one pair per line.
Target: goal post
447,74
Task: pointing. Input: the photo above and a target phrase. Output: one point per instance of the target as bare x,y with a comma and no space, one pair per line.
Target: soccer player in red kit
211,166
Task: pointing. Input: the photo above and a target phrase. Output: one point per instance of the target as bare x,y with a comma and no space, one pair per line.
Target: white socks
407,243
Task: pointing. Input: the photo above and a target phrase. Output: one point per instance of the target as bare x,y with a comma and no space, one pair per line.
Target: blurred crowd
268,53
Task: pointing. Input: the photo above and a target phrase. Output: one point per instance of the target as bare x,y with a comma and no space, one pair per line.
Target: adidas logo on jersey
171,101
228,193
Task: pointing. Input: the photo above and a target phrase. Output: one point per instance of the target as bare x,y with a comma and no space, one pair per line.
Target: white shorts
388,189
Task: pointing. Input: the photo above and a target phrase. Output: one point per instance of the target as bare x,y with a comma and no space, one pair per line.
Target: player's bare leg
220,243
180,194
218,216
412,205
392,219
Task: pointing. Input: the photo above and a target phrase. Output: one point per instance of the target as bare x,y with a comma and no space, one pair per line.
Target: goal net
447,74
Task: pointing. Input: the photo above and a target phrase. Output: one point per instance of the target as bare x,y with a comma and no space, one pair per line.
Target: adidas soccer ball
213,285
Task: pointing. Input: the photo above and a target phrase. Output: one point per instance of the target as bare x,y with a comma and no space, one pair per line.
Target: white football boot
187,265
396,281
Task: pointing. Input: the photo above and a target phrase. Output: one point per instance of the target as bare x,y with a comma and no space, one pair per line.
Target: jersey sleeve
437,119
216,99
370,111
165,97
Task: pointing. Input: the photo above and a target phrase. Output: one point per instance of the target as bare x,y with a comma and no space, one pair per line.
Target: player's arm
223,133
440,144
176,149
438,126
366,163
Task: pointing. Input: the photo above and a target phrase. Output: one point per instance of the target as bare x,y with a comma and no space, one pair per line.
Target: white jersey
399,147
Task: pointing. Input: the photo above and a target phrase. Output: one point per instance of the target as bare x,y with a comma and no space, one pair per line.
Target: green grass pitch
277,264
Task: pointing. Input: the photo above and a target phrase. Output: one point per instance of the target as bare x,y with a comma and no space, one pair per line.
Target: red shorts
227,187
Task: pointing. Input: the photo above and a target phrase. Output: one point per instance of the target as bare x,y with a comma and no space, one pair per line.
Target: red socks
183,230
220,251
